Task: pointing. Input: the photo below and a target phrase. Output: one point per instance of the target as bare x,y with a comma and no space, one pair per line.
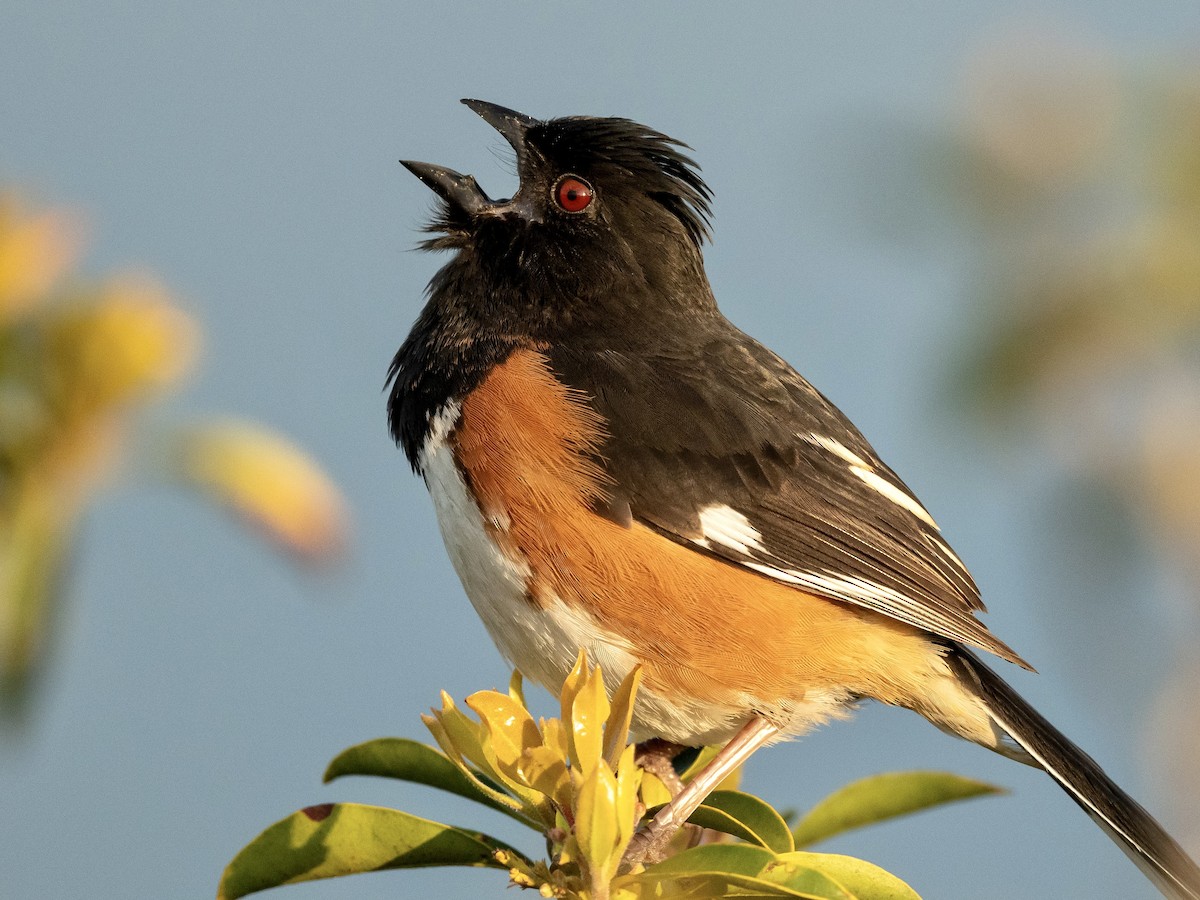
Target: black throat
457,339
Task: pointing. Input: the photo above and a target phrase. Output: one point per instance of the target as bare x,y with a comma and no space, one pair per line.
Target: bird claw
658,757
648,846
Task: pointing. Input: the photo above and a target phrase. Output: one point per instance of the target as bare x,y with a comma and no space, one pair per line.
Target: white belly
542,641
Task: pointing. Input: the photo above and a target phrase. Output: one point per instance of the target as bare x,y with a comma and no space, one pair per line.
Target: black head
600,246
605,206
625,165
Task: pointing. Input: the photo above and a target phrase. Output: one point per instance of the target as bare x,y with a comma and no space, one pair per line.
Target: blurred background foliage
1078,174
79,361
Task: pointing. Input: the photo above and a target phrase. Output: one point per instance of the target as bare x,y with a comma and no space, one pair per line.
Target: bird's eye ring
573,194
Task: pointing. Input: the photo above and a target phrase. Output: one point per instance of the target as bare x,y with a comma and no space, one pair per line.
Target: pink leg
651,839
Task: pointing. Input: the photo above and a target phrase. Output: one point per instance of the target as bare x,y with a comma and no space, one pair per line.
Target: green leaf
747,817
465,734
463,739
570,687
700,759
412,761
727,870
881,797
629,781
807,881
861,879
709,885
346,838
741,870
736,859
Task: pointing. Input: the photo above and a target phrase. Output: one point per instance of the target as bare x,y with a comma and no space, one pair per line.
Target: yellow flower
575,777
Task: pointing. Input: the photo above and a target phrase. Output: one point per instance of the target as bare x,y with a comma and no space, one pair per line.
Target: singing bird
616,467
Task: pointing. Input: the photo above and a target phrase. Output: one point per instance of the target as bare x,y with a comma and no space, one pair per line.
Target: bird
614,466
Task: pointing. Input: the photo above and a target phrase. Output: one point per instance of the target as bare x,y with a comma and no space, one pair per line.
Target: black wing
721,445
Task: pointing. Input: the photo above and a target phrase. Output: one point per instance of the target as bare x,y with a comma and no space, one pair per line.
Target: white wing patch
872,479
941,545
726,529
895,494
862,592
866,473
837,448
726,526
851,589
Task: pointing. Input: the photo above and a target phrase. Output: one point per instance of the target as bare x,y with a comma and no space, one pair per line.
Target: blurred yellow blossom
35,251
74,367
270,481
120,345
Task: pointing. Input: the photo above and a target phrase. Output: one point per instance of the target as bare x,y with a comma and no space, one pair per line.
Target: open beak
462,191
511,124
458,190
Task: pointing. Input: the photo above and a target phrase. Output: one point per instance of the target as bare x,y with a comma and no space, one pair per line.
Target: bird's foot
649,845
657,757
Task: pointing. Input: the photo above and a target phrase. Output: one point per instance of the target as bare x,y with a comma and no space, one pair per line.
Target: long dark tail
1123,819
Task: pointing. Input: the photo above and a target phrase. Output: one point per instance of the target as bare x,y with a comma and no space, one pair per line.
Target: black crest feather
654,159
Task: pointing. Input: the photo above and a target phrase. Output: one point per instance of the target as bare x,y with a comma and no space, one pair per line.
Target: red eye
573,194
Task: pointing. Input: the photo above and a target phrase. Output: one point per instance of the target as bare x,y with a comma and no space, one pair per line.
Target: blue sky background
246,153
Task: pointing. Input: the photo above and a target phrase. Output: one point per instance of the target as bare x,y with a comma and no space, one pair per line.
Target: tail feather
1124,820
